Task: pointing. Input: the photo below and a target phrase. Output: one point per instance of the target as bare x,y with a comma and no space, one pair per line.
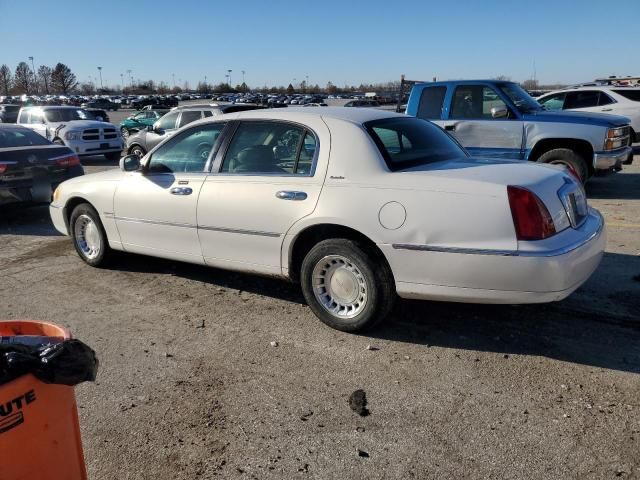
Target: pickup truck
498,119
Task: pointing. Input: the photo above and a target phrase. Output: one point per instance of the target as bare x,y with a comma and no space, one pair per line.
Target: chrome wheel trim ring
124,132
137,151
87,237
339,286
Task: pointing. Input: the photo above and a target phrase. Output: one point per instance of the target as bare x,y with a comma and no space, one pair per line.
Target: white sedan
358,205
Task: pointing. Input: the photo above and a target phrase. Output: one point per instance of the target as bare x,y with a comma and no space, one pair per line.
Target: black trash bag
66,363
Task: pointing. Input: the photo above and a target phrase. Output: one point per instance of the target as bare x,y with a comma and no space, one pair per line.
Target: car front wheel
89,238
137,150
568,158
346,285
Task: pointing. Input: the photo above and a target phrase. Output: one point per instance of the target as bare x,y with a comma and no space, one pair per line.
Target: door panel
242,215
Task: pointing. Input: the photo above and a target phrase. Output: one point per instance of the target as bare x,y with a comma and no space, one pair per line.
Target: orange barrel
39,427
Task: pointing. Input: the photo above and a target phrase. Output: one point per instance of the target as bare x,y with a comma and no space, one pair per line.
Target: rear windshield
20,137
409,142
630,94
10,108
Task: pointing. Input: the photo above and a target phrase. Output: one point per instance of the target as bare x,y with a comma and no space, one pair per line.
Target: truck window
633,95
475,101
581,99
604,99
431,101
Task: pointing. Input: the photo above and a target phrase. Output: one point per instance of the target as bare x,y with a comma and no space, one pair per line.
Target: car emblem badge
32,159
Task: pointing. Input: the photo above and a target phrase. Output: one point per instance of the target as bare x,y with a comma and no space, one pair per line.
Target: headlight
616,138
72,136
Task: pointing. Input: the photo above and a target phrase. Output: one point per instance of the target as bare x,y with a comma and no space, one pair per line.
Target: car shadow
619,186
599,325
98,161
20,219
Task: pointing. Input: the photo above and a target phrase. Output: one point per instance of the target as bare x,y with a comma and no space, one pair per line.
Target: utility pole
229,71
100,70
35,80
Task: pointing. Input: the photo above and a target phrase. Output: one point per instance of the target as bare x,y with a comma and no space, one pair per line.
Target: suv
499,119
73,127
9,113
598,98
101,103
143,141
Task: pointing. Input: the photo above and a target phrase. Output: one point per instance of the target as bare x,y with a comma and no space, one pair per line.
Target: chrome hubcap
87,236
125,132
339,286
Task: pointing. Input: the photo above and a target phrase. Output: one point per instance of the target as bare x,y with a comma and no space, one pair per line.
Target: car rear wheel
346,286
89,238
568,158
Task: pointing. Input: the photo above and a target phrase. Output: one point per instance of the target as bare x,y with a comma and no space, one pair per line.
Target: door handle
607,109
450,128
181,191
290,195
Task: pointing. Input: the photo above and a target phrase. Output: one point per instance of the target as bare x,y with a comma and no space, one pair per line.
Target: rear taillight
531,218
3,167
71,160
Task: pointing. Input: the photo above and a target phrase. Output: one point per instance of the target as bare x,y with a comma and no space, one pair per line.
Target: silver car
144,140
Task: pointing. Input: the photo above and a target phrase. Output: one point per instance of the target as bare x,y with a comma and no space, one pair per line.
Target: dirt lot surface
190,385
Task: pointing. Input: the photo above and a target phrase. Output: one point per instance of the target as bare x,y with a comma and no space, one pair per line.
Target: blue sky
340,41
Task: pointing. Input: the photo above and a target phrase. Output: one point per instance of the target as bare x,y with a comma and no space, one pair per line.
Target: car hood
585,118
81,124
112,175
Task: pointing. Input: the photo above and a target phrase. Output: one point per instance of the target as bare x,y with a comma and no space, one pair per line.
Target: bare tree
44,77
62,79
23,78
503,78
5,79
530,84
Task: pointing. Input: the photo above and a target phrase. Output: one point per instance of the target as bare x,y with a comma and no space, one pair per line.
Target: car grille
92,134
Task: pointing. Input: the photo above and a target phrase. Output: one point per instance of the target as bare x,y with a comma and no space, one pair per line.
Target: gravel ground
191,386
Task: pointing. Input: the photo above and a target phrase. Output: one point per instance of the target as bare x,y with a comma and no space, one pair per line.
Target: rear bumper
24,191
611,159
527,275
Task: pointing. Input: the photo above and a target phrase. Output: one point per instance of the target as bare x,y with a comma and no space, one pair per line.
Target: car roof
578,88
52,107
464,82
353,115
12,126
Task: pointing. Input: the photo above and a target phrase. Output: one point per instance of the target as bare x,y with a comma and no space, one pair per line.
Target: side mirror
130,163
499,112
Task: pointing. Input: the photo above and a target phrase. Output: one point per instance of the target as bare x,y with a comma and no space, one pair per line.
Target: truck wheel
345,286
570,159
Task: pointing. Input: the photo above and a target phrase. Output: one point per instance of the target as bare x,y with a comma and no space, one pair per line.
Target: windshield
524,102
66,115
409,142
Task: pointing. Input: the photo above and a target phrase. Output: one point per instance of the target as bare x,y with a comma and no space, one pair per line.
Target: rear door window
168,122
431,102
554,102
475,102
189,116
581,99
633,95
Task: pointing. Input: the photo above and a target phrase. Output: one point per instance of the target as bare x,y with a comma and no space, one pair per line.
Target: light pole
243,72
35,80
206,87
100,70
173,77
227,77
122,81
229,82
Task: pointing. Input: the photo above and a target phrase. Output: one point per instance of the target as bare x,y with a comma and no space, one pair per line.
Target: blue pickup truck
499,119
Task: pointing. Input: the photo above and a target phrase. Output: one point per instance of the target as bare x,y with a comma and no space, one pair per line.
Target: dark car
160,101
362,103
9,113
98,114
31,167
101,103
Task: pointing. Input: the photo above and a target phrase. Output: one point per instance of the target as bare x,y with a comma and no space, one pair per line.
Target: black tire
629,159
568,158
112,156
58,141
136,149
80,214
376,286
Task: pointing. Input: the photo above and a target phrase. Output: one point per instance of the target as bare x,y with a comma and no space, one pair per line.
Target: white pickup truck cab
71,126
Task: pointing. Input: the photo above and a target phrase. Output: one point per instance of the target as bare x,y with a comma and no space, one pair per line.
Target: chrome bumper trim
509,253
606,160
189,225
